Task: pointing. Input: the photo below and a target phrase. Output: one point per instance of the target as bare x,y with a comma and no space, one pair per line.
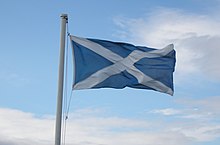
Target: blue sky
30,33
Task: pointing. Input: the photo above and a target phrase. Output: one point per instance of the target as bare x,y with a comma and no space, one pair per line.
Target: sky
29,56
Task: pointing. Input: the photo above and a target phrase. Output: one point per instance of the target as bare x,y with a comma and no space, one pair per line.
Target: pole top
64,16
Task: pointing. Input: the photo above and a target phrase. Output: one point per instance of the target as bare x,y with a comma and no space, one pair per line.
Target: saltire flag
106,64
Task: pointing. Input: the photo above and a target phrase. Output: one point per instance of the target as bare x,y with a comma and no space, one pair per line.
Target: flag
106,64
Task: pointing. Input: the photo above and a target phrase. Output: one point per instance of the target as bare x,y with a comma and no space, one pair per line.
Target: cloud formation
92,127
21,128
197,118
196,38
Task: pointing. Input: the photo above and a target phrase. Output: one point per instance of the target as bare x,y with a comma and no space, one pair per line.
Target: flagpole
64,19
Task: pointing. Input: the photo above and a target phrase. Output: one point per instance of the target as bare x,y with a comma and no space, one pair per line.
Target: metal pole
64,19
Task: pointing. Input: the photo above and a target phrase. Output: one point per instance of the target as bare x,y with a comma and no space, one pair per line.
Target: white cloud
210,105
195,118
199,132
196,38
166,111
21,128
199,109
189,113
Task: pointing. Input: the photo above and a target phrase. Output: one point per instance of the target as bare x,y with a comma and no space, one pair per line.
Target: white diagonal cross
121,64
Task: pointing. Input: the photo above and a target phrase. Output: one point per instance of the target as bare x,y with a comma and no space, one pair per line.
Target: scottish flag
106,64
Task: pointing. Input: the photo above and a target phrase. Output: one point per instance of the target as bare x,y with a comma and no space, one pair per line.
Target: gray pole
64,19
